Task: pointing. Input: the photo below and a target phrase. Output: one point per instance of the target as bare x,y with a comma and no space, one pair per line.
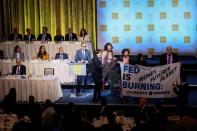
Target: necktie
29,37
169,59
61,56
83,53
18,70
70,37
43,37
15,37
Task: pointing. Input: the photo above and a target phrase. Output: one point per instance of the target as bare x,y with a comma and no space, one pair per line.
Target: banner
149,82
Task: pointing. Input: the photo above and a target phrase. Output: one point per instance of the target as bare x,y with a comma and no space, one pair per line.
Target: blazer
65,56
79,56
96,67
20,37
74,37
21,55
45,57
84,39
59,38
163,59
48,37
22,70
32,37
1,54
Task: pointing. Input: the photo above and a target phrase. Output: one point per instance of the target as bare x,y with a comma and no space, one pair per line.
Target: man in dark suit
45,36
58,36
169,57
82,56
1,54
16,36
96,69
18,69
61,55
70,36
29,36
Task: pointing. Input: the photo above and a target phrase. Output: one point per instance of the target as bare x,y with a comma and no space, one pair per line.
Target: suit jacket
32,37
21,56
65,56
11,37
1,54
79,56
182,94
96,67
59,38
163,59
22,70
48,37
74,37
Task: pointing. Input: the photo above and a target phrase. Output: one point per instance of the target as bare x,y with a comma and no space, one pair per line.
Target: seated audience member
29,36
18,54
22,124
1,54
169,57
34,113
84,37
181,91
61,55
45,36
48,115
126,59
16,36
58,36
143,120
159,118
9,102
140,60
18,69
70,36
111,126
42,54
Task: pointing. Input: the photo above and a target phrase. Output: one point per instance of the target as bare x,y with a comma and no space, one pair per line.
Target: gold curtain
50,13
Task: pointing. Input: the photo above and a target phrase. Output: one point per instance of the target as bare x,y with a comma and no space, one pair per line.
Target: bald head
18,61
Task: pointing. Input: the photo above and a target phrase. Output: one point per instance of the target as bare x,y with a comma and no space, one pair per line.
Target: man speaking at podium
82,56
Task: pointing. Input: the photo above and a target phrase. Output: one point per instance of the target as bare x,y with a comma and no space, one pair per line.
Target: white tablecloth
41,88
36,68
31,49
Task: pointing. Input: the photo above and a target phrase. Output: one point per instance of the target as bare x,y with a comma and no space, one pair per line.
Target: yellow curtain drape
50,13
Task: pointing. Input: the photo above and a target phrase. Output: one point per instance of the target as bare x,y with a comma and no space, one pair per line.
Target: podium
77,69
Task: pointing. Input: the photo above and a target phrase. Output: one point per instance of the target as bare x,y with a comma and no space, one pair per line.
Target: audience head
44,30
17,48
140,57
58,32
12,92
16,30
28,30
83,45
108,47
70,30
142,101
103,101
48,103
18,61
125,52
98,52
83,32
31,99
169,50
61,50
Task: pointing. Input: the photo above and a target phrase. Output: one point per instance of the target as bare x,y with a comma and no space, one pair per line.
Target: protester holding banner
126,59
140,60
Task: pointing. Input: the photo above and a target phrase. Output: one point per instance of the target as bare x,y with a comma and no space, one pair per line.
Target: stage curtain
50,13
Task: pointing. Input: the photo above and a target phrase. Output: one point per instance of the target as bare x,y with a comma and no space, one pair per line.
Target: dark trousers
80,81
97,88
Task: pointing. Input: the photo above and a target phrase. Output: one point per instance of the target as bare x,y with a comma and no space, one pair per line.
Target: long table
36,68
31,49
41,88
